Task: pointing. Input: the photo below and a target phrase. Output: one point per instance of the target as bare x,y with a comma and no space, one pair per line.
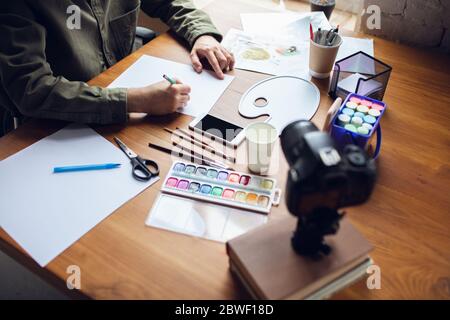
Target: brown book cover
271,269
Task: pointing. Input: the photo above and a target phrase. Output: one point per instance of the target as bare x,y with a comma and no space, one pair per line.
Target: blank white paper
274,22
351,45
202,219
44,212
206,88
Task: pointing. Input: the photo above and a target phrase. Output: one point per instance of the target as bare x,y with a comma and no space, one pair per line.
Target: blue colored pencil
86,167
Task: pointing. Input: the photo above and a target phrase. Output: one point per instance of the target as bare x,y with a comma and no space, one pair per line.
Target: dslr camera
321,180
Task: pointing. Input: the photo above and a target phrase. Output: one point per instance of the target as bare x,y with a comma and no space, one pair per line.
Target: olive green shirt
45,60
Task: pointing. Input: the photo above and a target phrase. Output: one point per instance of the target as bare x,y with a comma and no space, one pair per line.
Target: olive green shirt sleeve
29,84
182,17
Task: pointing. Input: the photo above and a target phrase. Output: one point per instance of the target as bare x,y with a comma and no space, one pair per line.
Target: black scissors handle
144,169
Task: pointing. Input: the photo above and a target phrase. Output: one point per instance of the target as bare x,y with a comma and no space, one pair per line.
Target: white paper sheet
366,88
206,88
273,22
44,212
202,219
352,45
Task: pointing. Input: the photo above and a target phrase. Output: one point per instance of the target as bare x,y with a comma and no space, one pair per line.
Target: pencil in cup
321,55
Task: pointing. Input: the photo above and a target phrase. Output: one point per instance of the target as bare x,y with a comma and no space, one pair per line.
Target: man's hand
158,99
218,57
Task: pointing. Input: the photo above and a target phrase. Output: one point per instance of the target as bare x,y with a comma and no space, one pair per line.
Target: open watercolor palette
226,187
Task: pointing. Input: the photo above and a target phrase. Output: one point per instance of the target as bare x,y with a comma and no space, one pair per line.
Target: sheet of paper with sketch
275,54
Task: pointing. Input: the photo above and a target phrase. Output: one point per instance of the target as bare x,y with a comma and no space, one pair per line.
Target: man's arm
182,17
195,26
31,87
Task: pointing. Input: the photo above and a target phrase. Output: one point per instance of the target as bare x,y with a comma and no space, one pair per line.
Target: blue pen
86,167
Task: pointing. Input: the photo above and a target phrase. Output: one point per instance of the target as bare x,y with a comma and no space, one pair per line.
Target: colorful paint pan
233,177
171,182
251,198
228,194
263,201
217,191
222,175
201,171
240,196
212,173
183,184
231,188
194,187
267,184
244,180
205,189
190,169
179,167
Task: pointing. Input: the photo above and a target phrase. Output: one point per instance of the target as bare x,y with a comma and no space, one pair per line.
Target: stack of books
264,261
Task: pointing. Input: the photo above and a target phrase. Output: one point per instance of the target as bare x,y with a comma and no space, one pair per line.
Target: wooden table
407,219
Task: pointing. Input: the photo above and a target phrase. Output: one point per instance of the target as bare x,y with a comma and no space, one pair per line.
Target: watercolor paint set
357,120
226,187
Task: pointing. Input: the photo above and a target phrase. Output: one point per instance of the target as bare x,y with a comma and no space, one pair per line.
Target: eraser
370,119
363,130
350,127
362,108
351,105
343,119
348,111
356,121
374,112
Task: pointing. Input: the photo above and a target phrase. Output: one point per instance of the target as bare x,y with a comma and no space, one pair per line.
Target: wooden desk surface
407,219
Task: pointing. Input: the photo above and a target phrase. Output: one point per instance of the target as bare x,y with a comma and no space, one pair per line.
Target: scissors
142,169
